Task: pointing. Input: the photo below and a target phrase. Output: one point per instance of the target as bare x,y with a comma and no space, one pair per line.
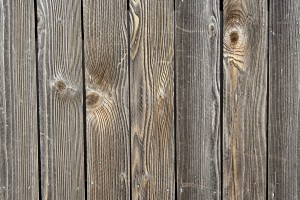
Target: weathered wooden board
151,95
245,93
18,102
61,99
107,99
284,100
198,99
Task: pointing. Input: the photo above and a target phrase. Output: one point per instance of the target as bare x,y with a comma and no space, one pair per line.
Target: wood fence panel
245,94
61,99
18,102
107,99
152,99
198,99
284,100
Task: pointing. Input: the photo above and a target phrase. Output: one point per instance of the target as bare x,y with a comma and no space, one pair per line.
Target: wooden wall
139,99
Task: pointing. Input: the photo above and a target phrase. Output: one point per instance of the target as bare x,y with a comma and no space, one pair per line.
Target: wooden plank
106,64
198,99
18,102
152,93
245,89
284,100
61,99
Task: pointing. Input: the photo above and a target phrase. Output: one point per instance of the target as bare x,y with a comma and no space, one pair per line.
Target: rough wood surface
152,93
18,102
61,99
198,99
245,89
284,100
107,99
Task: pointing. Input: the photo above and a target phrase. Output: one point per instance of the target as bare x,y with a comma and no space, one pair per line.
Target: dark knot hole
234,37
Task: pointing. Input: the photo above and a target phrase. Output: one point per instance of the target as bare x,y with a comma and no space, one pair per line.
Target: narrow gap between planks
221,98
129,91
268,98
174,103
38,97
84,105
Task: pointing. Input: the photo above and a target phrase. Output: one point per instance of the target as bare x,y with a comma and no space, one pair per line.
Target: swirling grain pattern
18,102
284,100
61,99
107,99
152,93
198,99
245,90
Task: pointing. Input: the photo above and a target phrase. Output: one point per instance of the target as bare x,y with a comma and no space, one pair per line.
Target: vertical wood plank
61,99
18,102
106,64
245,89
152,93
198,99
284,100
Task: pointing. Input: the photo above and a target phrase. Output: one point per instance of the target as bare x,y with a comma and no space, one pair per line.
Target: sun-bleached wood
152,99
18,102
244,103
284,100
107,99
198,99
61,99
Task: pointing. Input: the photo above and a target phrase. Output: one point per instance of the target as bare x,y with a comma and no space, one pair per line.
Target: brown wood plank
106,64
152,93
245,89
18,102
198,99
61,99
284,100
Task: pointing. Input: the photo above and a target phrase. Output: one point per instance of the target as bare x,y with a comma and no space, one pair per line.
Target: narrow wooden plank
284,100
18,102
152,93
61,99
245,89
106,64
198,99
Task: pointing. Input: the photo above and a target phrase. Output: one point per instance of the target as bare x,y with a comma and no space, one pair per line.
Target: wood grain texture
107,103
198,99
284,100
152,93
61,99
18,102
245,89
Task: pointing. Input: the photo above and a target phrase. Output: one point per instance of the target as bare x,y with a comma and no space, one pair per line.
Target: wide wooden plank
151,95
107,103
61,99
198,99
18,102
284,100
245,92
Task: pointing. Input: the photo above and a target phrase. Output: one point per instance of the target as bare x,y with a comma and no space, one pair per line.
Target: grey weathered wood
18,102
198,99
152,93
245,89
106,64
284,100
61,99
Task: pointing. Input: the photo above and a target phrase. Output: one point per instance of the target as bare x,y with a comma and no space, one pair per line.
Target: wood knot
212,29
93,100
60,86
234,37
